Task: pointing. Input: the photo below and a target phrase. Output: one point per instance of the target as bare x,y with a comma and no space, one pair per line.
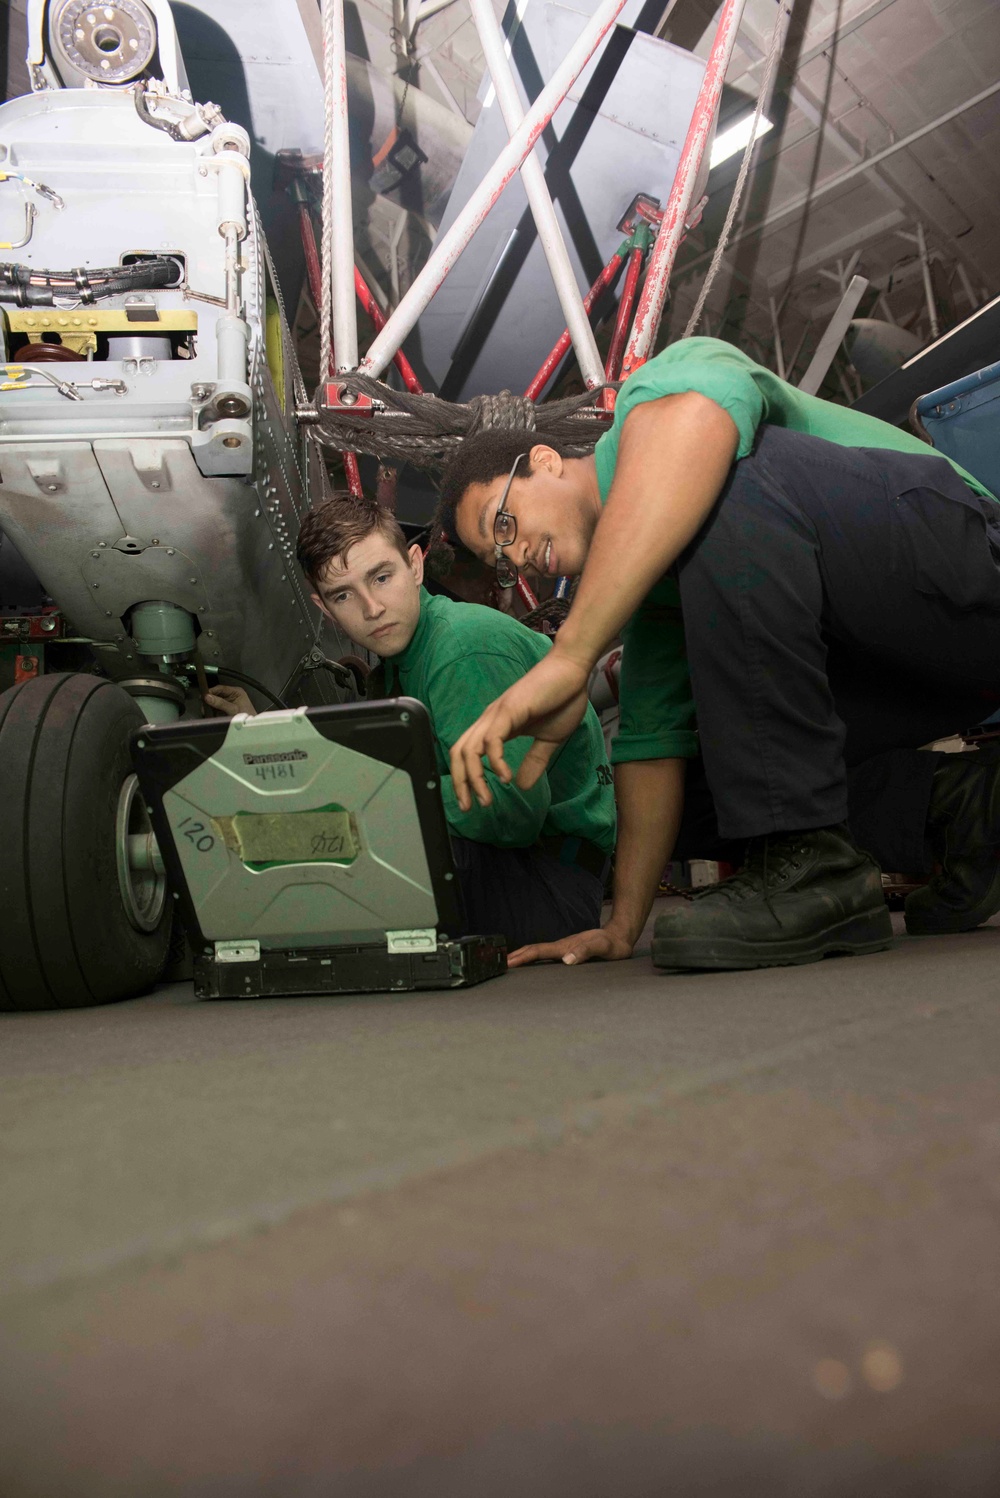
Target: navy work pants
840,604
524,894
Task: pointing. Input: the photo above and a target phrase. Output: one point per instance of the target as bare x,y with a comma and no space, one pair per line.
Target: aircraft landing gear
84,913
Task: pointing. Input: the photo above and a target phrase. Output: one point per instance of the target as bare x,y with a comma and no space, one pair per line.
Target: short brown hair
328,532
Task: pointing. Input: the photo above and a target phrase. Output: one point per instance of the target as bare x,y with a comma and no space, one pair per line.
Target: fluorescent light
735,138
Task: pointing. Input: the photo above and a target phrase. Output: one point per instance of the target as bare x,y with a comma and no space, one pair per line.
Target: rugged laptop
309,852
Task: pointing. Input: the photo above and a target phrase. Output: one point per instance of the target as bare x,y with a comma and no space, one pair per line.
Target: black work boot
801,896
963,823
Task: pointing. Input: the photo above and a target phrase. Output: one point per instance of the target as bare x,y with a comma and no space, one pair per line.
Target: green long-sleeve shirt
657,709
461,658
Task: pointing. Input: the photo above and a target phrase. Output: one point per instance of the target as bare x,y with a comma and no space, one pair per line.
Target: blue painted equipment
963,422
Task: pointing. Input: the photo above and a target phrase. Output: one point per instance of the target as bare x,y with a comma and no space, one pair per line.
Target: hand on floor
604,944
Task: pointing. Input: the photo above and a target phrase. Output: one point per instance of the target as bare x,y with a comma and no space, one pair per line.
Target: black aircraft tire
65,937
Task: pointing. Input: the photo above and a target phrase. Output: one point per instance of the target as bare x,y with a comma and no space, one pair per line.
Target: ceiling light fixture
735,137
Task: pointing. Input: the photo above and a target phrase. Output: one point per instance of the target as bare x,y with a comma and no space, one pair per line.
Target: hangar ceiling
856,77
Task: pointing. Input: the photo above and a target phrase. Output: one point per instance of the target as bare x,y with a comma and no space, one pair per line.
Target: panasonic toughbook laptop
309,852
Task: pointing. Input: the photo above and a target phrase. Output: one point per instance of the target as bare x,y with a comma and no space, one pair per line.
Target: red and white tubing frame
672,229
450,246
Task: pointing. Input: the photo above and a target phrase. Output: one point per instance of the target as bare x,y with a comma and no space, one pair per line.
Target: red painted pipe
561,347
314,274
527,597
612,368
407,373
675,214
353,475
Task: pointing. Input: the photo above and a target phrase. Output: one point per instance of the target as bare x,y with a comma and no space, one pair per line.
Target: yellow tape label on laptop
269,839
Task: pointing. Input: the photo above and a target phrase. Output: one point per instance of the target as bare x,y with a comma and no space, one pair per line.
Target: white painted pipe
339,214
543,212
450,246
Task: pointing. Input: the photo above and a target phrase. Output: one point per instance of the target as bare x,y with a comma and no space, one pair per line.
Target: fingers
473,778
582,948
535,763
493,750
468,775
570,950
546,951
228,700
219,703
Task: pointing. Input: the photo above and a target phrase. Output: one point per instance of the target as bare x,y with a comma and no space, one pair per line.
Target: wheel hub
141,878
107,43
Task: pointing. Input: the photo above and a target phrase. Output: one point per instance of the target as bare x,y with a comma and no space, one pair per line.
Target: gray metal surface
579,1233
615,141
304,903
215,524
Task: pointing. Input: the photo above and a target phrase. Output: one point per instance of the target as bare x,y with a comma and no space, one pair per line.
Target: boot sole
855,937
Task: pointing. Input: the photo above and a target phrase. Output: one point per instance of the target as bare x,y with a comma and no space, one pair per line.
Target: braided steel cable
425,430
325,310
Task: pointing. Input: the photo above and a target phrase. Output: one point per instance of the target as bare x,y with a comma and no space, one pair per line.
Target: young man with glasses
803,592
532,865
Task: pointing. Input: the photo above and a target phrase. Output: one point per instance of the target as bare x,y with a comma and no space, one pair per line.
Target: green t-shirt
657,710
461,658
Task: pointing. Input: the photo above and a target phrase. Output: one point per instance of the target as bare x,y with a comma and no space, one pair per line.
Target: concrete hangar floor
591,1233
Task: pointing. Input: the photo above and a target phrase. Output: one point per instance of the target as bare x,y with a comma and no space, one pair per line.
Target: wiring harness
24,287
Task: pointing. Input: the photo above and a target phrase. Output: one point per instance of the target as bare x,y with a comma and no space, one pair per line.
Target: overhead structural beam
833,336
833,37
543,212
922,206
837,33
450,245
823,189
855,239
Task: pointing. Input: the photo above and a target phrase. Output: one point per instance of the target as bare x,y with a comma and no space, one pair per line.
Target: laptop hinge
423,939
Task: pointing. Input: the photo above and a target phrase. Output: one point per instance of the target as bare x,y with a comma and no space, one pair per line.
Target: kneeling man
800,589
532,864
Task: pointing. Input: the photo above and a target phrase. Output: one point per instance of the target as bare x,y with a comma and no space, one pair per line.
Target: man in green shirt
799,588
532,863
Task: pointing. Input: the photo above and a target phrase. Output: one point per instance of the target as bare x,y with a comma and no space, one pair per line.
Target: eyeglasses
505,533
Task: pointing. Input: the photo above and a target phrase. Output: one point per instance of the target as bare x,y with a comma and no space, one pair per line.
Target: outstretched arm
650,796
673,459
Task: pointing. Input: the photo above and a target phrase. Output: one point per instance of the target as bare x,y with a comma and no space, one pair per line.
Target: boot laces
755,874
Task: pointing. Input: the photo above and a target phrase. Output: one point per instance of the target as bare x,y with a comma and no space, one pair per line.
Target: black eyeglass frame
506,571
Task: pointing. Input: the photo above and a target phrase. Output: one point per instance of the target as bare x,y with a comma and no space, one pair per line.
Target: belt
578,850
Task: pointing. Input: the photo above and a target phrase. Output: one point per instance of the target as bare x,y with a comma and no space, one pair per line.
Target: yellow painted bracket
275,347
113,320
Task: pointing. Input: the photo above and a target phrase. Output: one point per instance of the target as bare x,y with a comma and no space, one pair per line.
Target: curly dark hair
480,459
